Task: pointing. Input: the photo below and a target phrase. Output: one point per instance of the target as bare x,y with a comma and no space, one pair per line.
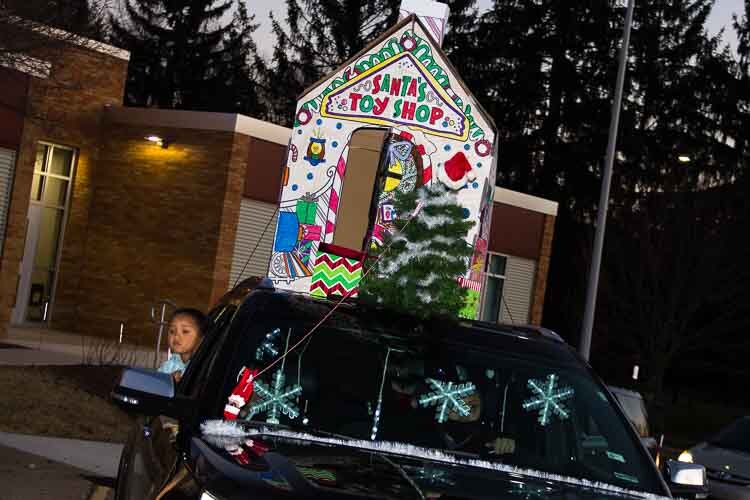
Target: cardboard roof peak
411,18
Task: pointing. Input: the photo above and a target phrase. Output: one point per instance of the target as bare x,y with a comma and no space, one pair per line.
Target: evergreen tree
742,27
86,18
236,83
319,36
418,274
676,107
543,69
182,55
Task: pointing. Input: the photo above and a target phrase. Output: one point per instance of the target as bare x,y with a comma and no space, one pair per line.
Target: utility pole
584,346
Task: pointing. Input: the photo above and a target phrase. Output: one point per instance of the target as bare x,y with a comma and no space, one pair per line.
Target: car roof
495,337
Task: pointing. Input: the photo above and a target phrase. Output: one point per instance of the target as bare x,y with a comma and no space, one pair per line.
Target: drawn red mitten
238,453
241,394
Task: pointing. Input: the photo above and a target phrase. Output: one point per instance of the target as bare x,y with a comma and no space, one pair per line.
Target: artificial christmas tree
423,259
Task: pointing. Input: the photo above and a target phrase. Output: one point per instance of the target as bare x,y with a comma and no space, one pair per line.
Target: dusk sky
720,17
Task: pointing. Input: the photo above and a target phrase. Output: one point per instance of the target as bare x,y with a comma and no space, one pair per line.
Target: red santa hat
456,172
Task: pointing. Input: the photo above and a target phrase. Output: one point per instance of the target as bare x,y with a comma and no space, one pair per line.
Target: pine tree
319,36
742,27
675,104
81,17
236,86
182,55
418,273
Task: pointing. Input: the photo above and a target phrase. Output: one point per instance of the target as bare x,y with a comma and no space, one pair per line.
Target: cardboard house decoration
394,117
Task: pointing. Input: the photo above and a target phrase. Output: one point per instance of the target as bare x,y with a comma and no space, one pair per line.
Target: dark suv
292,397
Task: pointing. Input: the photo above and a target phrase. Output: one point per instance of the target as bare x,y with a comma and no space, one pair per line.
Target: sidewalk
42,346
95,458
25,476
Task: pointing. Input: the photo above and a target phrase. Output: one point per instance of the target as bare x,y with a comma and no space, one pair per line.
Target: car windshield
736,436
424,385
635,409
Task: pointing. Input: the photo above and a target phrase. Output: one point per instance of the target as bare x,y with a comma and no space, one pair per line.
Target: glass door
50,190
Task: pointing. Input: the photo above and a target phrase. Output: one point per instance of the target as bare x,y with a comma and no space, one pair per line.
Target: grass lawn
61,401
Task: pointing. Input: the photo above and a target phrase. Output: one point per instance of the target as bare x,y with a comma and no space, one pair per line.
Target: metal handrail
163,303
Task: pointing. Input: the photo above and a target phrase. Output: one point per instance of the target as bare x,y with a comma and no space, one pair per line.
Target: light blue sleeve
173,364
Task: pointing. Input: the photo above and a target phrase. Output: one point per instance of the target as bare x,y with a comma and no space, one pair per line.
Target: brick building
104,209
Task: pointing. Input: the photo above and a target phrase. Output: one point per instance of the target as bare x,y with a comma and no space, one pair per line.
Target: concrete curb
95,457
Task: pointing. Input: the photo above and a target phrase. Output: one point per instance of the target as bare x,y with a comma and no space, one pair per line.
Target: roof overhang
71,38
525,201
200,120
28,65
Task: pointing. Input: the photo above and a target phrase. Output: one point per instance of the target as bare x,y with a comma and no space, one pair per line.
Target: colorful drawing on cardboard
335,275
316,149
403,83
399,92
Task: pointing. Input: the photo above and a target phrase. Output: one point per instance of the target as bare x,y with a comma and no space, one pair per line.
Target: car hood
279,466
715,458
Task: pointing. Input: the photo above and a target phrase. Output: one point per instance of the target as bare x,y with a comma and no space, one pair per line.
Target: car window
202,363
438,393
735,437
635,410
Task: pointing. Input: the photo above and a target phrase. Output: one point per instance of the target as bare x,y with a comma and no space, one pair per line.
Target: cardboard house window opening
363,166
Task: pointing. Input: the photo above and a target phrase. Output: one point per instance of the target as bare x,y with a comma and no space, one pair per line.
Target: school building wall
522,231
63,107
164,220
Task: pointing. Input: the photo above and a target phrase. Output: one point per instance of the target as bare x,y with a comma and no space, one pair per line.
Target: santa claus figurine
238,453
241,394
456,172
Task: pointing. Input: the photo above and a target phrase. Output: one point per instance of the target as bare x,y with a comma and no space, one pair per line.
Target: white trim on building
521,200
67,37
26,64
175,118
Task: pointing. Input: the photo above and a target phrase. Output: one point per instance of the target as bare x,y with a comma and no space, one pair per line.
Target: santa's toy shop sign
398,92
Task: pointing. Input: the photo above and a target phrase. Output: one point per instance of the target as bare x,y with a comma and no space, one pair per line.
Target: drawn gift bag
306,210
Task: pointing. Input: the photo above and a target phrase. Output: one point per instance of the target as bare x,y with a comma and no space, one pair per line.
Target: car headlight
686,456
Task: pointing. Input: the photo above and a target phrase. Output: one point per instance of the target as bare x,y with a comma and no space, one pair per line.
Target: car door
151,454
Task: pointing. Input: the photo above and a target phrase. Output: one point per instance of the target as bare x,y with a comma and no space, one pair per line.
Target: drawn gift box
337,271
287,232
311,232
306,210
387,212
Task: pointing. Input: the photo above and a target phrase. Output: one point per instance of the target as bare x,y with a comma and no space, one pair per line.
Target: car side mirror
149,392
687,480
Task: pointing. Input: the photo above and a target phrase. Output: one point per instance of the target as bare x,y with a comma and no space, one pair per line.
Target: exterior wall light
683,159
158,140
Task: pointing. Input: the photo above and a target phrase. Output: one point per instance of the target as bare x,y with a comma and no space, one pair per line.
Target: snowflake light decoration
548,398
273,399
448,396
268,347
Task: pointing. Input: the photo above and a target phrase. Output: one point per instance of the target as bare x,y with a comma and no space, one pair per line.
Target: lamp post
584,347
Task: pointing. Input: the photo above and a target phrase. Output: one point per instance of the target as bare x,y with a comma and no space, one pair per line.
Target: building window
493,286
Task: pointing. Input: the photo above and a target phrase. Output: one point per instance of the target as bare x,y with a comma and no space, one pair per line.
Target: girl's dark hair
197,316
